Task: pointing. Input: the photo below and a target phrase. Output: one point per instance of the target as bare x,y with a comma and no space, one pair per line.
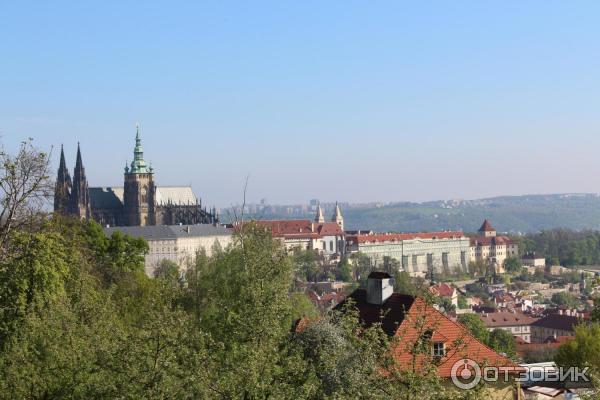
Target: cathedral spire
78,162
80,196
138,165
62,189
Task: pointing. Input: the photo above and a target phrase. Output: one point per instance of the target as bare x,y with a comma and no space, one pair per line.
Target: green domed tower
139,189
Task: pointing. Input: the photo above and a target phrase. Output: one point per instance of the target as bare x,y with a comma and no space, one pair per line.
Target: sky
337,100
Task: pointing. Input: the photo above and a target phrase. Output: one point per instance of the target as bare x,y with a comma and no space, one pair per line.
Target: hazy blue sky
345,100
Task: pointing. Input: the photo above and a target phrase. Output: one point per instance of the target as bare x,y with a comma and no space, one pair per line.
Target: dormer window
439,349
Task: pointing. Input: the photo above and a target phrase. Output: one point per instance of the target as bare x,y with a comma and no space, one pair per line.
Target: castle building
139,202
491,248
176,243
417,252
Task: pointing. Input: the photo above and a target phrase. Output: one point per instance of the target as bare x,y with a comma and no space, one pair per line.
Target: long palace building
139,202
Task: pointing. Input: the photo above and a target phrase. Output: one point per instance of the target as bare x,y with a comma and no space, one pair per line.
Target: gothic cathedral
138,203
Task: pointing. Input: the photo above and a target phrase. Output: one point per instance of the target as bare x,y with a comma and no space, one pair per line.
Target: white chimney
379,287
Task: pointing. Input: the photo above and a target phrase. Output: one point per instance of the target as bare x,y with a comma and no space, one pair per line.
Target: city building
533,260
492,249
517,324
414,322
139,202
418,253
447,291
555,325
177,243
327,238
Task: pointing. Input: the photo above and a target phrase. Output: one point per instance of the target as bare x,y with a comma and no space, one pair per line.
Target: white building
417,252
177,243
491,248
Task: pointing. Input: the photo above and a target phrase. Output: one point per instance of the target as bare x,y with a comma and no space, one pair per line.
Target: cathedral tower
139,190
80,195
62,189
319,218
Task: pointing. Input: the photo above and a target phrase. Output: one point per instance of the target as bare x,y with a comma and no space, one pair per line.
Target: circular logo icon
466,374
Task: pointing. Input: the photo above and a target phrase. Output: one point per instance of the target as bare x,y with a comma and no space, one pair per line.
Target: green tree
248,314
564,299
502,341
391,265
302,306
403,283
362,265
583,350
476,326
344,270
513,265
306,265
462,303
167,270
34,272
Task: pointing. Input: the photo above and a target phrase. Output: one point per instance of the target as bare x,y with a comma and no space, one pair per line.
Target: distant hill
514,214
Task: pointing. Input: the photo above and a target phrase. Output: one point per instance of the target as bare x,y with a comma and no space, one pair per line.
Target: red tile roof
498,319
301,228
398,237
443,289
558,321
486,227
329,229
401,314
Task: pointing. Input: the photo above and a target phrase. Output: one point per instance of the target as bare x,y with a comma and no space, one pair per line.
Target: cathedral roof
180,195
106,197
112,197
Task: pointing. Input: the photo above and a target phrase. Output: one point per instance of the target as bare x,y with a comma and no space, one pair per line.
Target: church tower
62,189
337,216
319,218
139,190
80,195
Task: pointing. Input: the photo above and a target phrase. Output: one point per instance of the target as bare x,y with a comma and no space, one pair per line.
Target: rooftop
169,232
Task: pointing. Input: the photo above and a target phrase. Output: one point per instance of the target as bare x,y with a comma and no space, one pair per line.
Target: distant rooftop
169,232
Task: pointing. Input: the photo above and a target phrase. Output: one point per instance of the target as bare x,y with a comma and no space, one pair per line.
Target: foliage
344,270
362,265
25,188
305,265
391,265
302,306
513,265
564,299
167,270
566,247
502,341
445,304
583,350
476,326
462,302
80,319
403,283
